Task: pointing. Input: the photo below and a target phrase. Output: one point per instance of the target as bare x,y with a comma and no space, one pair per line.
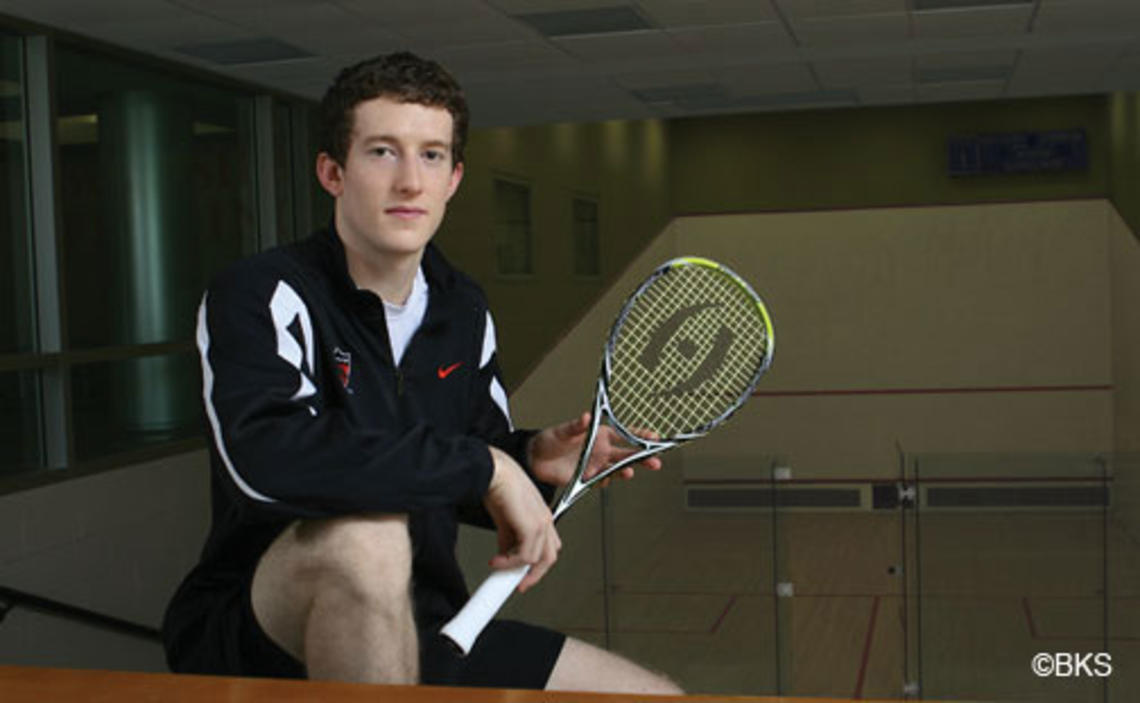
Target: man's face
398,175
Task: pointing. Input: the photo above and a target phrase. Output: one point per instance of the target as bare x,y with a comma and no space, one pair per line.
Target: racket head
686,351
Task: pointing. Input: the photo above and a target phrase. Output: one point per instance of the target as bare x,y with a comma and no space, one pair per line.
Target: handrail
12,598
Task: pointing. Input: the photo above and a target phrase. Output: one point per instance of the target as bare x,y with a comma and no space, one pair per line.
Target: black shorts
227,640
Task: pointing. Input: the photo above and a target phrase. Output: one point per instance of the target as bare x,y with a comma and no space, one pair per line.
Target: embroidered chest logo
445,371
343,362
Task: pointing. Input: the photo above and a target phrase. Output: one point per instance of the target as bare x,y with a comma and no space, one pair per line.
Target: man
352,389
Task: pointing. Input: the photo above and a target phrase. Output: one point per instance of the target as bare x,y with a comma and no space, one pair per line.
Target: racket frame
463,629
577,487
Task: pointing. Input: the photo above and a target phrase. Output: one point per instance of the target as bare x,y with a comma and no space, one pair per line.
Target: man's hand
525,525
554,452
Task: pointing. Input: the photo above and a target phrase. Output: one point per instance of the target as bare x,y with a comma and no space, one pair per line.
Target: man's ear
456,177
330,174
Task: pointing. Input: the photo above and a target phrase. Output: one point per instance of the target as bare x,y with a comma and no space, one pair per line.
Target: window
20,432
157,195
512,228
157,181
111,225
587,247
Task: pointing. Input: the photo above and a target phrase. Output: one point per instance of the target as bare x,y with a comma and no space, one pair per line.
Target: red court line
931,391
1029,618
867,648
724,613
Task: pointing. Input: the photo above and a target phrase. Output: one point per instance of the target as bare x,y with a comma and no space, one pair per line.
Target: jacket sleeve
287,451
491,420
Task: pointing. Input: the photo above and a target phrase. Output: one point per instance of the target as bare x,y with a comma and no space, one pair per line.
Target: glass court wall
944,584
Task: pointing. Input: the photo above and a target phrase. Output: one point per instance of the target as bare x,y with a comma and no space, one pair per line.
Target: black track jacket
310,418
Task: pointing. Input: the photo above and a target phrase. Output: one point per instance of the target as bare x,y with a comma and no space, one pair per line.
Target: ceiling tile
733,41
809,9
851,31
394,14
70,14
177,29
322,28
521,7
954,92
647,80
1087,17
544,100
688,13
625,46
971,22
886,94
1055,85
222,6
964,59
767,78
512,59
429,36
864,72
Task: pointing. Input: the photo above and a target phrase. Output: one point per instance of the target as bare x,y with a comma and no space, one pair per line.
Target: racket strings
687,352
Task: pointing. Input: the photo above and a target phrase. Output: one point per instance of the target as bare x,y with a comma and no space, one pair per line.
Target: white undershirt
404,320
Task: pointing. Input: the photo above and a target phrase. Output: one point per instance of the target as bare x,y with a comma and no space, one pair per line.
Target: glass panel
321,202
1123,569
690,571
841,583
163,404
16,308
1011,552
512,228
157,180
21,443
283,166
587,248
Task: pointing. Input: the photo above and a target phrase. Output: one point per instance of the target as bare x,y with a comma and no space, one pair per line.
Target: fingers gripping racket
685,352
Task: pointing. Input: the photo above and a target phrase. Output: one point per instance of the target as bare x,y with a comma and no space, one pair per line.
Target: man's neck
389,276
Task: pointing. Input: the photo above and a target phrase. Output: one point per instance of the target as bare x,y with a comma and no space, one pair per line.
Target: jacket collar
437,270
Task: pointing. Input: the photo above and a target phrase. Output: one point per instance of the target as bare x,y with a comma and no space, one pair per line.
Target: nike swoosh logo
445,371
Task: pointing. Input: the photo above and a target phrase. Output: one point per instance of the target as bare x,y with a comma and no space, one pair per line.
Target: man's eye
435,155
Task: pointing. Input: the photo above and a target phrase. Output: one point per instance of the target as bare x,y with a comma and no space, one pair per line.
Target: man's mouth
405,212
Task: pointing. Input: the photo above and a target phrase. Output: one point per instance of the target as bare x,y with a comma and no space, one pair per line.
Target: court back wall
870,157
982,328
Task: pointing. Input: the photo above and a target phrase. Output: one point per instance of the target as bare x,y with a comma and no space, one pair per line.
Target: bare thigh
584,667
369,556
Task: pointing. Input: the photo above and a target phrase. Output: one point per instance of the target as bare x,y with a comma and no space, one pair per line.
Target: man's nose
408,176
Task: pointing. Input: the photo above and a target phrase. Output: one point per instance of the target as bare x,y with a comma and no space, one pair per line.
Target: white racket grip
464,628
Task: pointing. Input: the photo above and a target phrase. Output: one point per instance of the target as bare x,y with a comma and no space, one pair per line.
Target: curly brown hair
401,76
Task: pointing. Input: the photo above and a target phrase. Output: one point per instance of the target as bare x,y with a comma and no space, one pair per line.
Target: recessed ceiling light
921,5
600,20
246,51
963,74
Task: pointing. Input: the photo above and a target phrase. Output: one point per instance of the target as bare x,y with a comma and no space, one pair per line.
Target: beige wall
117,543
1124,265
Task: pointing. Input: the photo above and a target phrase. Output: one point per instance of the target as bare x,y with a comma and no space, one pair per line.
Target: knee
364,557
